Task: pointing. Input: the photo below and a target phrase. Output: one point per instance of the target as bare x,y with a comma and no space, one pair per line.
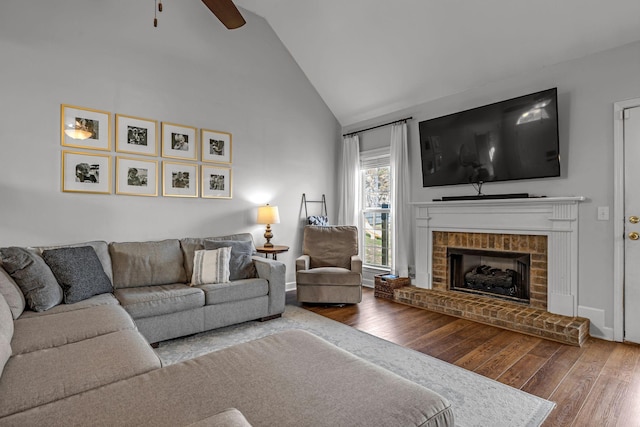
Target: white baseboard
596,318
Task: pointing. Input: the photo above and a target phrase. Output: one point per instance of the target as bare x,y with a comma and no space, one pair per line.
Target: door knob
634,236
634,219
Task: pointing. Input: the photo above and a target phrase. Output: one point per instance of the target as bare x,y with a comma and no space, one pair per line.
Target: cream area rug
476,400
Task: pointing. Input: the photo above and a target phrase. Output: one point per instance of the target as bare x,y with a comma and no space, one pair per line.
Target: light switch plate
603,213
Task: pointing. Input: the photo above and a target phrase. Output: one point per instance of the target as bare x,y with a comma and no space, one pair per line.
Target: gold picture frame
179,179
136,135
136,177
216,146
86,172
216,182
85,128
179,141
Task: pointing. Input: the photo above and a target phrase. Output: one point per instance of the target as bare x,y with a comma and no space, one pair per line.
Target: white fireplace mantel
555,217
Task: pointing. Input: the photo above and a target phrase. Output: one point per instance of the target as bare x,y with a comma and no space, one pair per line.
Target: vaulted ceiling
367,58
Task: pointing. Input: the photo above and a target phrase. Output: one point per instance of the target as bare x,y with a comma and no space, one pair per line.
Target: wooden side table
274,251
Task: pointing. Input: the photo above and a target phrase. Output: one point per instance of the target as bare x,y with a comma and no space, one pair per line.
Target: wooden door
632,224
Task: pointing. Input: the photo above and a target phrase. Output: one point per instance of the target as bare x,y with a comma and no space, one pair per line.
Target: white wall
190,70
375,138
587,89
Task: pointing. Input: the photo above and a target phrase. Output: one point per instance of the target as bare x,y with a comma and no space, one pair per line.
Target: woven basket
384,287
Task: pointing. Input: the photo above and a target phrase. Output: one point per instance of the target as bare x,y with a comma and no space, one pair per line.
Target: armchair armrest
302,262
356,264
274,273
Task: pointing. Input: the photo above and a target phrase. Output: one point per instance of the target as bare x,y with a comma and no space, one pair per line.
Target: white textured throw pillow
211,266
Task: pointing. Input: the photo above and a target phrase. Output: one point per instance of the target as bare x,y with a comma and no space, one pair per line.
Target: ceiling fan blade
226,12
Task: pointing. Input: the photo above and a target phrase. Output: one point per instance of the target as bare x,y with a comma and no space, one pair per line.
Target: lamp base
268,235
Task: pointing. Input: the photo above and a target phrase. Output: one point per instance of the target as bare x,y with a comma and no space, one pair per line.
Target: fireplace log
485,276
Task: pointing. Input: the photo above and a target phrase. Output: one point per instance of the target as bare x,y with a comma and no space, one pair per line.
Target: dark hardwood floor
595,385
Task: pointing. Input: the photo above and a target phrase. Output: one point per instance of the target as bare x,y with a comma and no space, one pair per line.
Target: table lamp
268,215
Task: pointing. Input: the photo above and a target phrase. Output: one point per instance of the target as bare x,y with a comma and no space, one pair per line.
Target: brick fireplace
533,245
542,230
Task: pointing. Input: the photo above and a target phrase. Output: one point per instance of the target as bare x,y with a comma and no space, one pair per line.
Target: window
376,208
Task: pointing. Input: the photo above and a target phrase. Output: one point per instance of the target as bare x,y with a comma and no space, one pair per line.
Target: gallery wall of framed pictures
138,166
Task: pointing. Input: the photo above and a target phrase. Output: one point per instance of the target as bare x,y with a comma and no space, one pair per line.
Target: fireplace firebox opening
497,274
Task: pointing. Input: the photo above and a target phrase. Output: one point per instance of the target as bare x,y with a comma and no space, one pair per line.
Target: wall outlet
603,213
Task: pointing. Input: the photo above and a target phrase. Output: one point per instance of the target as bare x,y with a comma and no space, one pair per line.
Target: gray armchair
330,270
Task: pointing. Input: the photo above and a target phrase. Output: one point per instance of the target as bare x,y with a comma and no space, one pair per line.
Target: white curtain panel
400,195
349,205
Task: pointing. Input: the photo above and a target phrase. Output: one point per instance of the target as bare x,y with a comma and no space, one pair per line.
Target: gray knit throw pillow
33,276
79,272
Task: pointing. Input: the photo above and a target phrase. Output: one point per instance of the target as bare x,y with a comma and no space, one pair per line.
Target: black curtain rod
379,126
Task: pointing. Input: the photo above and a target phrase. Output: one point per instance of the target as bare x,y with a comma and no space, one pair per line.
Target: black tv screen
508,140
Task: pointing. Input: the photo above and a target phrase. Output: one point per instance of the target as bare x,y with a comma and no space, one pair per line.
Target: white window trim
378,157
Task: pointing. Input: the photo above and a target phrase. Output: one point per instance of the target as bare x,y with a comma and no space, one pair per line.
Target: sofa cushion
79,272
33,276
38,333
211,266
290,378
95,301
43,376
147,301
101,247
240,263
5,353
6,332
147,263
237,290
190,245
328,276
11,293
6,320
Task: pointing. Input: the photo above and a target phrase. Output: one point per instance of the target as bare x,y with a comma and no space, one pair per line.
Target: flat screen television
508,140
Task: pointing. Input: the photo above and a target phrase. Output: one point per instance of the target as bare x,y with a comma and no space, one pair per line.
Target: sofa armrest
302,262
274,273
356,264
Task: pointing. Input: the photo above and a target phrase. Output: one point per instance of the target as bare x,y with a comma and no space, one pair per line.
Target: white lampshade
268,215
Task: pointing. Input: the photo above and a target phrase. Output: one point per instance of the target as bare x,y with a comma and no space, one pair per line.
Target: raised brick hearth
495,312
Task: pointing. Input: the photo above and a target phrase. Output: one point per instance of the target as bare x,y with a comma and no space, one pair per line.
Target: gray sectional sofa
90,363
